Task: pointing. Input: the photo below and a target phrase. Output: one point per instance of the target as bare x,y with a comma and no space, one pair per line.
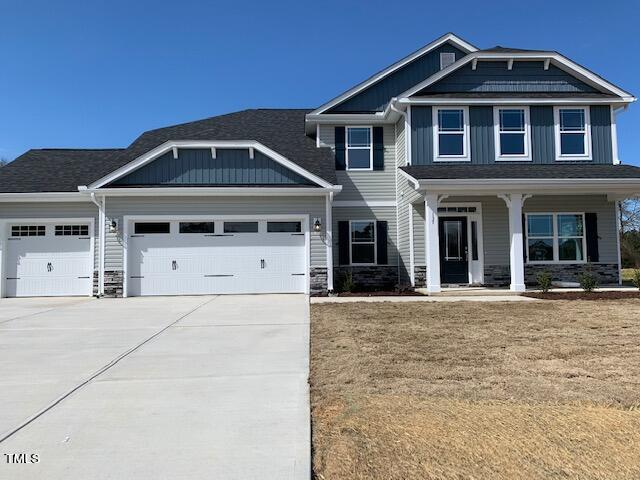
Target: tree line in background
630,232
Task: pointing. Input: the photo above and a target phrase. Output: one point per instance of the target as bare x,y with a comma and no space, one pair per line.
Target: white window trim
346,144
587,137
556,239
527,134
442,56
375,243
466,154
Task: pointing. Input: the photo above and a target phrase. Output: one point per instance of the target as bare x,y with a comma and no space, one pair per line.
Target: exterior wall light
317,225
113,226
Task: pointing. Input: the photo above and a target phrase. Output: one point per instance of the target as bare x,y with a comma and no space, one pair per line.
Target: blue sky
98,73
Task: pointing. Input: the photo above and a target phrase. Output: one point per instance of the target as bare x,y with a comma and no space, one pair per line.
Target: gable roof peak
448,37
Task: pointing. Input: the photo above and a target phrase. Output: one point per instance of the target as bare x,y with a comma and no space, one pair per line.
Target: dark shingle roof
282,130
522,171
500,49
56,170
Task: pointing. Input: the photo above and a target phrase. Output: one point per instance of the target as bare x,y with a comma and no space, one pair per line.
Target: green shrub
347,284
635,278
588,280
544,280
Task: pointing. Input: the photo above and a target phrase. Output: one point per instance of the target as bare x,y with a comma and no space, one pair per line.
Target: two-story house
452,166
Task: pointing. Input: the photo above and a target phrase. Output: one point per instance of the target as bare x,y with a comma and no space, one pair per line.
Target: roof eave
549,186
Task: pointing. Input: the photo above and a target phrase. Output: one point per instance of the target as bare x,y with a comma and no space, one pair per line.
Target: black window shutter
524,237
591,230
343,243
378,148
341,162
381,242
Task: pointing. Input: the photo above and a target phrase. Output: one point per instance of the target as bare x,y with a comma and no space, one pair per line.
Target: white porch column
514,203
329,238
432,242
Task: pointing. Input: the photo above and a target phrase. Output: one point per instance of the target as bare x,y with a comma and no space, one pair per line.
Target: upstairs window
359,148
512,133
447,59
451,132
573,133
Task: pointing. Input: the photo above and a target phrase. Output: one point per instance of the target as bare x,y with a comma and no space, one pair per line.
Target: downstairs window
555,238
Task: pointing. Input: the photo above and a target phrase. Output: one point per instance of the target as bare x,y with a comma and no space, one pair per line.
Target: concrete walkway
167,387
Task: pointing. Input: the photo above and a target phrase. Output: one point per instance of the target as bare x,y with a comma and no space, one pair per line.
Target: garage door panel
49,265
233,263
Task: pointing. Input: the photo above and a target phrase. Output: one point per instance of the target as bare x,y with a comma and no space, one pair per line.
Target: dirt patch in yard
476,390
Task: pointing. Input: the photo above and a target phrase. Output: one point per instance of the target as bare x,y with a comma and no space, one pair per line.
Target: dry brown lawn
542,390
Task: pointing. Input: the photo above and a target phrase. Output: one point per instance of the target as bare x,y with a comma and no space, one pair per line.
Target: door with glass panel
454,250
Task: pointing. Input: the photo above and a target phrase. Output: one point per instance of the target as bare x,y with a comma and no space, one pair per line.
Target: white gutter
435,100
44,197
101,240
554,186
214,191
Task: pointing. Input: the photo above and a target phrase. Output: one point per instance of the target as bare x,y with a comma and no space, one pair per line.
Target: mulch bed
583,295
381,293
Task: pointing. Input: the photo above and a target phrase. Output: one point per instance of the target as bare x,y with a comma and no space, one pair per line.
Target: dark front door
454,262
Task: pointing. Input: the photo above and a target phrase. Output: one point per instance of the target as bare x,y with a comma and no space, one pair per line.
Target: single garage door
49,259
185,257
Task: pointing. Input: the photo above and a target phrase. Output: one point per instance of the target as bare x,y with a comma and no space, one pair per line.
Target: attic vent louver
446,59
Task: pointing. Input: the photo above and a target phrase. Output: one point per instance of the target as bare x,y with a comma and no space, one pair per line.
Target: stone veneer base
500,275
381,277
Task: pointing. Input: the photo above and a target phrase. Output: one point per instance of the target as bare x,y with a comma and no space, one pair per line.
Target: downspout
406,151
101,241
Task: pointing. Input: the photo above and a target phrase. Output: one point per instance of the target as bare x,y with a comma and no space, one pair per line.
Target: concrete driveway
165,387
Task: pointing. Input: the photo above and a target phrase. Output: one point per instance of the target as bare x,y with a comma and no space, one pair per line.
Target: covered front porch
505,232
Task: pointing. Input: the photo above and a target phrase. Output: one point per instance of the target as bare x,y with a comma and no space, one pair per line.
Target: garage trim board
5,232
128,232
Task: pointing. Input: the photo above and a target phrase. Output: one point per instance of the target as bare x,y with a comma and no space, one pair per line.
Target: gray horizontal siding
387,214
482,136
376,97
117,208
366,185
526,76
54,210
198,167
495,221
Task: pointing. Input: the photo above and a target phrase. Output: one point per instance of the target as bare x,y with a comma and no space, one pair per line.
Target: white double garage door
194,257
162,257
